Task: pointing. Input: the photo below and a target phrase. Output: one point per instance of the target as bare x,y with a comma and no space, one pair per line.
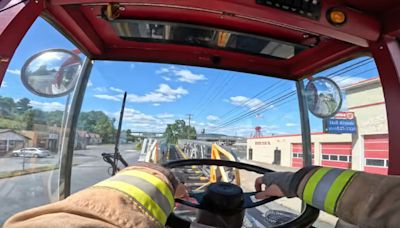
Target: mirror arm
305,123
68,138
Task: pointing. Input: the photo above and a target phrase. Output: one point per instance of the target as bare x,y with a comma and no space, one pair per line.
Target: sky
159,94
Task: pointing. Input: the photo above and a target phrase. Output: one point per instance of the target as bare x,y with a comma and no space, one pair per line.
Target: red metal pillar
387,57
14,23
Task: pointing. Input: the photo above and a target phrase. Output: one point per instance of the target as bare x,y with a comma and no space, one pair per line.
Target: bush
139,146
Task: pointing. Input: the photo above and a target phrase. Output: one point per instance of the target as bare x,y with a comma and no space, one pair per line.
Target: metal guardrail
202,149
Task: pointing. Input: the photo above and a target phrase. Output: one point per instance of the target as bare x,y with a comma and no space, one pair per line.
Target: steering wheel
238,200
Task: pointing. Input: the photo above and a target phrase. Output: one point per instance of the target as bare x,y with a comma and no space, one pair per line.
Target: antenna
117,155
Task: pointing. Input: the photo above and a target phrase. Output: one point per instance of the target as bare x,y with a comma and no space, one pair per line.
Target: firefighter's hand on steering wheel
276,184
268,191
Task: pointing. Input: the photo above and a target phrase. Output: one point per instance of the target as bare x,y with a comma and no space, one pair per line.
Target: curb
27,171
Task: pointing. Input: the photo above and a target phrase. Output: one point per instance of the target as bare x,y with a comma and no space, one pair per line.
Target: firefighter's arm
138,196
362,199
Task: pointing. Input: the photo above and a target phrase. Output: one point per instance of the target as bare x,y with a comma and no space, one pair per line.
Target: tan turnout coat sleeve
370,200
94,207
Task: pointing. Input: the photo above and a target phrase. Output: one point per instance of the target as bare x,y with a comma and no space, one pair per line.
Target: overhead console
306,8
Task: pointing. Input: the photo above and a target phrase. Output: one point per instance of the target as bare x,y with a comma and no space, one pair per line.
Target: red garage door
297,154
336,155
376,149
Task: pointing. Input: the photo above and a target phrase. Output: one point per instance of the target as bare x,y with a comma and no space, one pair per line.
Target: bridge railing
202,149
149,151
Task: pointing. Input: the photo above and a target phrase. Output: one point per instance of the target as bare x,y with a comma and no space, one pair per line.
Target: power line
217,95
262,108
217,83
259,109
245,102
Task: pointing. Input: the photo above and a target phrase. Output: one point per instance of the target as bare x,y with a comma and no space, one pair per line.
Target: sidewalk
248,178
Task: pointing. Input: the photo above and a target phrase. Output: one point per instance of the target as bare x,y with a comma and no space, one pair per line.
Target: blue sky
160,93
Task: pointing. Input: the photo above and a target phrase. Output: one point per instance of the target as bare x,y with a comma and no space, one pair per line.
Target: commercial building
367,149
48,137
11,140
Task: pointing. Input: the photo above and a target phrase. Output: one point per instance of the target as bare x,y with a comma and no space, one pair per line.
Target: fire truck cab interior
287,39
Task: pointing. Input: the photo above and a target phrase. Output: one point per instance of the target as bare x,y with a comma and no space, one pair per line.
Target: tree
22,105
98,122
7,107
54,118
28,119
179,130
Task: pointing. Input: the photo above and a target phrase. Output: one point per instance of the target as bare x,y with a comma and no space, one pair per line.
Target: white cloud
166,78
164,88
292,125
3,84
139,121
116,90
165,115
247,102
100,89
164,93
182,75
90,83
15,71
107,97
212,118
47,106
133,115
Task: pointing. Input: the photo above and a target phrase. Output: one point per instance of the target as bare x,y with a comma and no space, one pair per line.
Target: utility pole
187,131
190,117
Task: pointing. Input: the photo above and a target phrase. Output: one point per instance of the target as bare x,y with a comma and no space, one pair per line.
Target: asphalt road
27,191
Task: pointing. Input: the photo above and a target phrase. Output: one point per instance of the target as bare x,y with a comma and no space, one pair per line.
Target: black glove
288,182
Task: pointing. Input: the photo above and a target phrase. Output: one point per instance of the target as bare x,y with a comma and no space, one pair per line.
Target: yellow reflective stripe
312,183
139,196
157,182
336,190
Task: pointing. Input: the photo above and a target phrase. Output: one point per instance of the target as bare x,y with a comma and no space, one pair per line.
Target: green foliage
11,124
22,105
139,146
28,119
130,137
55,118
21,116
7,107
98,122
179,130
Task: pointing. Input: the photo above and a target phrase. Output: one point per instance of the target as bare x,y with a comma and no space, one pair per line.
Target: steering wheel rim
307,218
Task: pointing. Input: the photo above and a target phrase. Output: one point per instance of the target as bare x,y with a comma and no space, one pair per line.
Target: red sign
344,116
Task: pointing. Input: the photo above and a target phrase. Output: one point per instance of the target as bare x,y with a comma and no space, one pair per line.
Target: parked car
31,152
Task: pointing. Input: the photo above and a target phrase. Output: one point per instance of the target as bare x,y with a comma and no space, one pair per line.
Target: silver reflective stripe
148,188
323,187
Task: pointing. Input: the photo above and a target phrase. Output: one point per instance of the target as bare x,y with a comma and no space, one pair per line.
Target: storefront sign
342,122
53,136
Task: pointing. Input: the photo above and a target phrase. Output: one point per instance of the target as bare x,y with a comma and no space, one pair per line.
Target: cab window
30,129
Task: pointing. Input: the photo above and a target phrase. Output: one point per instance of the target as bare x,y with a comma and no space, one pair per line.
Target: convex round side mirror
324,98
51,73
